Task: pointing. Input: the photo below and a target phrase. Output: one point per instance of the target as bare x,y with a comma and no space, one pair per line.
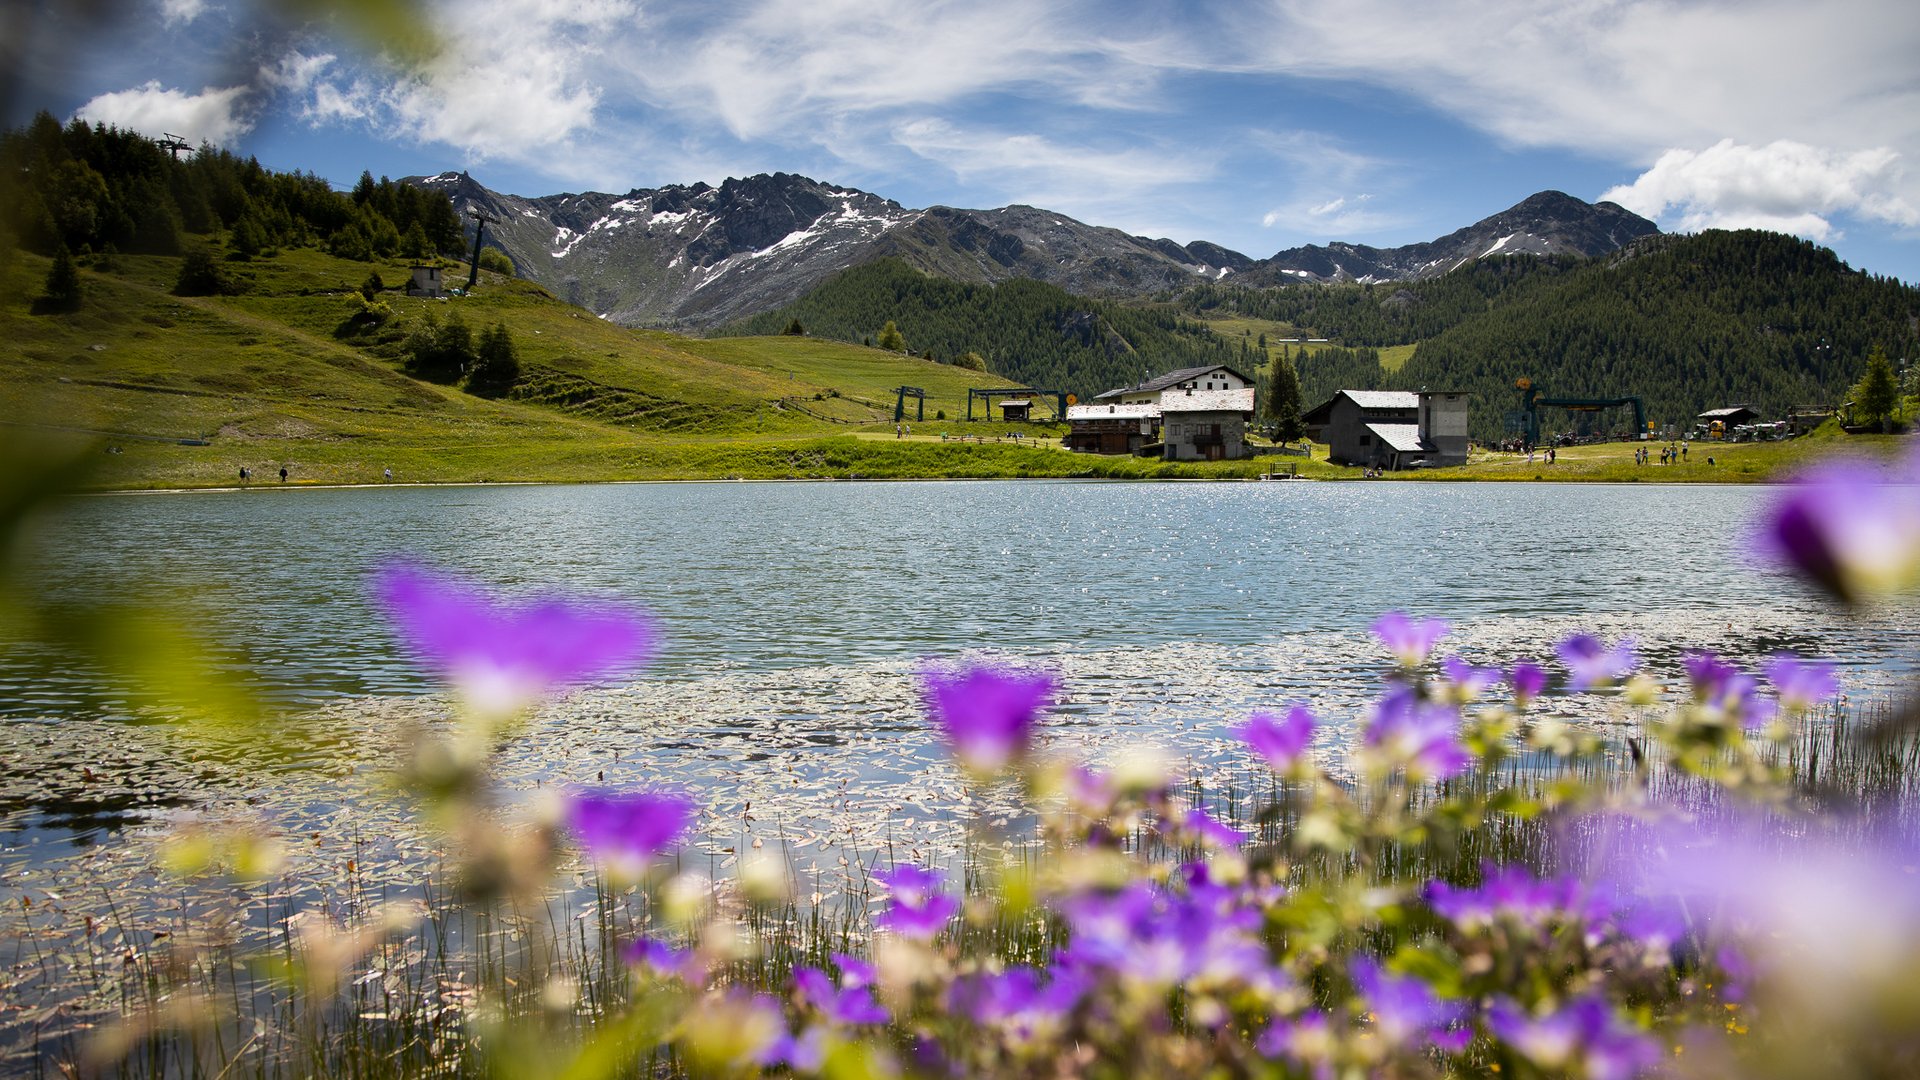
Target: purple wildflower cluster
1169,941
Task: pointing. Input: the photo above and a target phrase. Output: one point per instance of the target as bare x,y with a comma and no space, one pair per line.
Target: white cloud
1114,185
1784,186
296,72
181,12
213,115
1617,76
513,78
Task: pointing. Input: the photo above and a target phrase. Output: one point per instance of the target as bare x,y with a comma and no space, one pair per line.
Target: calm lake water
797,614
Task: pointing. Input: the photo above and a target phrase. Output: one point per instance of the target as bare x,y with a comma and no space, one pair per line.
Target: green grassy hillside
276,376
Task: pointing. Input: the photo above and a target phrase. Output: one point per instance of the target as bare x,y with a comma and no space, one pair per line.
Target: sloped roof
1384,399
1172,378
1402,437
1139,410
1186,401
1366,399
1728,413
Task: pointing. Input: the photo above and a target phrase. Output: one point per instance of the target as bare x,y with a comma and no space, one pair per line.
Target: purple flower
1583,1037
1722,686
1468,681
1590,663
843,1006
1017,1000
917,908
1304,1038
1847,527
1208,830
1283,743
987,714
1513,894
1164,939
502,657
664,961
1801,684
627,829
1407,638
854,972
1405,1010
1422,735
1091,793
1528,680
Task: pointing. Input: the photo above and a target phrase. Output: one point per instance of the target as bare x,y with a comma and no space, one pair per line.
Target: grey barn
1391,429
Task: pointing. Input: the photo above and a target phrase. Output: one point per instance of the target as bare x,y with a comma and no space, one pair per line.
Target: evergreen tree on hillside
496,364
890,338
62,292
1283,398
794,329
1877,395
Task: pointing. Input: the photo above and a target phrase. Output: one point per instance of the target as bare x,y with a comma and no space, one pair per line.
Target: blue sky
1259,124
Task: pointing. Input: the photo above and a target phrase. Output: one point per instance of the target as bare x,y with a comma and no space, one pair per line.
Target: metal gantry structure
900,403
1531,403
1059,397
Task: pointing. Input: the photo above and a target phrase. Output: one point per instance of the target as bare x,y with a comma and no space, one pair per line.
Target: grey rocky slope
699,256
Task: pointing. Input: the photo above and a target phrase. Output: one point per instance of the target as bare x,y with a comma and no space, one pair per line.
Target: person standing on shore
283,474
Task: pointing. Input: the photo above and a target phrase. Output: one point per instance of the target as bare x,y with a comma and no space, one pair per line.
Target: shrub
496,261
62,291
202,275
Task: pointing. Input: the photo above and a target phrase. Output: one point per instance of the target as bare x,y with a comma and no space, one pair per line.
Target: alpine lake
795,620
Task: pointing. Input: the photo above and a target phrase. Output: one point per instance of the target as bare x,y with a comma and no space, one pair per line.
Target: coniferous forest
1034,334
1686,323
95,189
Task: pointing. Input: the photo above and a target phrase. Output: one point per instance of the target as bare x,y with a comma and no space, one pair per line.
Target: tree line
98,189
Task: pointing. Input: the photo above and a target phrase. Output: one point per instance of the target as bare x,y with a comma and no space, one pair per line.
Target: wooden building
1112,428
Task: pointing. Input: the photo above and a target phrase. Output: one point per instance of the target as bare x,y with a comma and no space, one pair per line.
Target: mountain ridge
699,256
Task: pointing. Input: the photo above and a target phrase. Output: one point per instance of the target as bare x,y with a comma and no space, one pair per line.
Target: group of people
1670,454
246,474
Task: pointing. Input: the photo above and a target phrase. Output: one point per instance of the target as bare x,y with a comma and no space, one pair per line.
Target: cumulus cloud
512,78
1615,76
214,115
1784,186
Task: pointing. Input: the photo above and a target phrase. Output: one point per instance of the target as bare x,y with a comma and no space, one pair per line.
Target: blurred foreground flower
1591,663
1422,736
1410,640
1850,527
501,658
1282,743
625,831
919,909
987,714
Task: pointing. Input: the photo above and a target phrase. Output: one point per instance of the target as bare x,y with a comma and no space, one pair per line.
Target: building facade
1391,429
1195,414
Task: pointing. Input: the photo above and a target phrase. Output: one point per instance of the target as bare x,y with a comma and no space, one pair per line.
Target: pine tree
890,338
63,291
794,329
496,366
1877,394
1283,399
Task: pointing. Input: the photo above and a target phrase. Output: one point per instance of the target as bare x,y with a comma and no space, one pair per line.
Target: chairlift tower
481,220
173,144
